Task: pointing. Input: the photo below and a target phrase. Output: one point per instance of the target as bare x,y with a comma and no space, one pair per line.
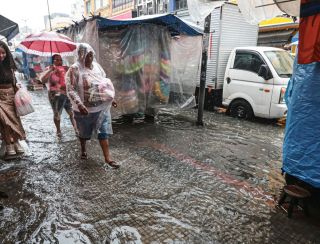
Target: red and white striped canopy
47,44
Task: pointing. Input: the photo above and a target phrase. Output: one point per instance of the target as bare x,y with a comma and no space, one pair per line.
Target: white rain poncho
89,86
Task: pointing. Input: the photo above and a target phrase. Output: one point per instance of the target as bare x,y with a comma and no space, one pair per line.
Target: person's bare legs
83,148
104,143
73,122
56,120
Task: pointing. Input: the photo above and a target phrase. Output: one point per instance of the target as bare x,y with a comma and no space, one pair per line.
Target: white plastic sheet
187,73
200,9
257,10
292,7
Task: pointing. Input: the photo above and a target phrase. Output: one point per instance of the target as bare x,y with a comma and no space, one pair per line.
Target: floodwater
178,183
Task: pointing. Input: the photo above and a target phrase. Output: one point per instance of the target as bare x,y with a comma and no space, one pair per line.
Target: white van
255,82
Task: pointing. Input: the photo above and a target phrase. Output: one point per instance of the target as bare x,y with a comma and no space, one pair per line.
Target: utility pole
49,16
203,74
25,23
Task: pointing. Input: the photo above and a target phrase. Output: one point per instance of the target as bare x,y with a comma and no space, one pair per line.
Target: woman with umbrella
45,44
54,76
10,124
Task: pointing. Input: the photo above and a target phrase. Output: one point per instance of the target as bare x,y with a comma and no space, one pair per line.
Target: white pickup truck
255,82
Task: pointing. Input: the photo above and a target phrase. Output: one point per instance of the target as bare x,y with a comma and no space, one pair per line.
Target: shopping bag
23,102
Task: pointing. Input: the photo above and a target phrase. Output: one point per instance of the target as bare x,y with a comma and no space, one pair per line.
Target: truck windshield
281,61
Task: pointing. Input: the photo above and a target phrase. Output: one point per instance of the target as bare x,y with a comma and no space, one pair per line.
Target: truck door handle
228,80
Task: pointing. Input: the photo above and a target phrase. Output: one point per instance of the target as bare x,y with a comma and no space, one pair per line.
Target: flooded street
178,183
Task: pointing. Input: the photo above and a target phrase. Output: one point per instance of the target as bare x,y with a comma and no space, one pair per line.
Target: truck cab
255,82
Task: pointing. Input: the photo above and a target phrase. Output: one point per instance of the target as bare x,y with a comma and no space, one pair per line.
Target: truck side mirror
264,72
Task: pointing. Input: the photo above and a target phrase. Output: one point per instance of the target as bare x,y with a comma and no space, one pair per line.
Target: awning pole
275,3
203,73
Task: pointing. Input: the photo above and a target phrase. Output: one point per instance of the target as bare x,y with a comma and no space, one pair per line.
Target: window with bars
181,4
121,3
98,4
149,8
140,11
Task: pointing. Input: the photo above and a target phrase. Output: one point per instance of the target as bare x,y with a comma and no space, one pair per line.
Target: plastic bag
97,90
23,102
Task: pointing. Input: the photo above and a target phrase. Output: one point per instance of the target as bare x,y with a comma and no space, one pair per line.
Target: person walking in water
11,128
91,95
54,76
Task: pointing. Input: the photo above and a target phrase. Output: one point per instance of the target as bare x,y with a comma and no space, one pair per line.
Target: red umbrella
48,43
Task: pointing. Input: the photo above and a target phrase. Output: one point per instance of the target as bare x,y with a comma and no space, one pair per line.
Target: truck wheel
241,109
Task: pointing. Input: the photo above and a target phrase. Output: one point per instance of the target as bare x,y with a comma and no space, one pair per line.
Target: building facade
113,9
122,9
96,7
125,9
148,7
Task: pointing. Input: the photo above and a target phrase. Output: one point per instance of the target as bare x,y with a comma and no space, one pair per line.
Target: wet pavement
178,183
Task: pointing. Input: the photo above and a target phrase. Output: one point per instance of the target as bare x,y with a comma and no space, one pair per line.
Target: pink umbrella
48,43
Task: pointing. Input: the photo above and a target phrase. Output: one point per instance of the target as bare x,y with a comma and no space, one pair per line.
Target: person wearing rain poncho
91,95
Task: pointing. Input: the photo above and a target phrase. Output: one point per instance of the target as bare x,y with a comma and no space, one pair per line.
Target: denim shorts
60,102
87,124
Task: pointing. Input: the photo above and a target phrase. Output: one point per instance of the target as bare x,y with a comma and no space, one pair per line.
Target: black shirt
6,76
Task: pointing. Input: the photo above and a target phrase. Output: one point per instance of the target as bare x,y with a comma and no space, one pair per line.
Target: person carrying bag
10,124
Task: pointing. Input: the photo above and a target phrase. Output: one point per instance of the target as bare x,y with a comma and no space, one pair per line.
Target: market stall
153,61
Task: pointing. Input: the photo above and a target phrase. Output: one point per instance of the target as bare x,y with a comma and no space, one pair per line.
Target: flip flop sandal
84,155
113,164
10,157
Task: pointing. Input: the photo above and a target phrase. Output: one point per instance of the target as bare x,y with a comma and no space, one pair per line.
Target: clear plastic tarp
149,68
289,7
200,9
257,10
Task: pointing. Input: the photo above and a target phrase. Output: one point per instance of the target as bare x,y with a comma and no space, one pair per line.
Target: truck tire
241,109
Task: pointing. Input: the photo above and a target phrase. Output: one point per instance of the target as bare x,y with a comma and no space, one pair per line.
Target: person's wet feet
84,155
8,157
18,148
113,164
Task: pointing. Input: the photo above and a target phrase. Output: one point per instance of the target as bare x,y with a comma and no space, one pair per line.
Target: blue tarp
175,25
309,9
295,38
301,149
